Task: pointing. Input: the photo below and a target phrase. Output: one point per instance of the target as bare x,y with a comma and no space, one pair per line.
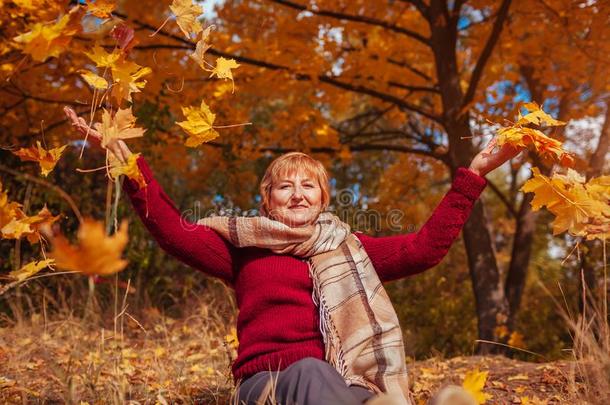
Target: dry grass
145,359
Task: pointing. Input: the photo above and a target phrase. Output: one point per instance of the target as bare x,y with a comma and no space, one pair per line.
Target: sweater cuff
130,185
468,183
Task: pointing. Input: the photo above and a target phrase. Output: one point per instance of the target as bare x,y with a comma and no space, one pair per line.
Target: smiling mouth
297,206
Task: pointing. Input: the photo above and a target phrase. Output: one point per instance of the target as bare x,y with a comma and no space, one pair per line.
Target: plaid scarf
362,336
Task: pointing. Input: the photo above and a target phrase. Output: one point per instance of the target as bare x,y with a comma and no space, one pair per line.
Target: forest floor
157,359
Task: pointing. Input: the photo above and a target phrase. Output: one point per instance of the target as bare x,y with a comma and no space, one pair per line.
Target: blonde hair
286,165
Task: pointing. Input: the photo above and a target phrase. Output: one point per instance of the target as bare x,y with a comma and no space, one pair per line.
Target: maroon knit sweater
278,323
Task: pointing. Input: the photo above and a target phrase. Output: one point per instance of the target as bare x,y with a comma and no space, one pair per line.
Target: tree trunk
596,168
491,303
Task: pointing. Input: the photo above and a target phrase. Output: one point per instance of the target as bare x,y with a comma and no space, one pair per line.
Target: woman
315,325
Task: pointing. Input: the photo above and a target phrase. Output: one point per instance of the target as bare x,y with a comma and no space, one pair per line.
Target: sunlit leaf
94,252
47,159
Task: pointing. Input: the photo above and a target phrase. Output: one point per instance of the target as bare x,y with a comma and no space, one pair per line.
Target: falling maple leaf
474,381
22,225
94,252
223,69
579,209
520,134
129,169
103,58
124,35
30,269
119,126
127,76
201,48
186,16
9,210
199,125
95,81
50,40
101,8
47,159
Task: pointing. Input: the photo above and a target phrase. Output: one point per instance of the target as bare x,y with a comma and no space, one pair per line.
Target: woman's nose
297,194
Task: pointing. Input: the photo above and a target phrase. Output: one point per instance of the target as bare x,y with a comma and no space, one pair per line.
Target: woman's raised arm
399,256
195,245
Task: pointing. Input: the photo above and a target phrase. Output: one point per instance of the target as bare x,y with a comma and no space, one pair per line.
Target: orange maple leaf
101,8
47,159
94,252
129,169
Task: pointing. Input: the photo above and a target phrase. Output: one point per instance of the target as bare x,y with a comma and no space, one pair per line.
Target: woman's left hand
486,161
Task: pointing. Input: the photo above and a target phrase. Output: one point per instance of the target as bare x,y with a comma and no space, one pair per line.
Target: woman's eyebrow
290,181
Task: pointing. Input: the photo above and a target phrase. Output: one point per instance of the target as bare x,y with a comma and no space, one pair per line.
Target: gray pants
306,382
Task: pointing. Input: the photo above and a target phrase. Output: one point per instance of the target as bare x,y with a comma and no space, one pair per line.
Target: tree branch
334,81
487,50
355,18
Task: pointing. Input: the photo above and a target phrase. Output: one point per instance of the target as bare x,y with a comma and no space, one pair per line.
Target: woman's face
295,200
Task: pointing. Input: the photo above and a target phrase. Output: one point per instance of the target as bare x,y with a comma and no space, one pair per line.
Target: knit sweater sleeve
195,245
403,255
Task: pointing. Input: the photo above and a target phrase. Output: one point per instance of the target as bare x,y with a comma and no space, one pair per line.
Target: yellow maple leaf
567,197
15,229
101,8
103,58
127,78
537,116
201,48
119,126
198,125
94,253
186,16
30,269
21,225
9,210
223,69
47,159
50,40
474,381
129,169
520,134
93,80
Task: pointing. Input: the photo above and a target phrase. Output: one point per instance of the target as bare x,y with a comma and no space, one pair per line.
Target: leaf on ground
94,251
474,381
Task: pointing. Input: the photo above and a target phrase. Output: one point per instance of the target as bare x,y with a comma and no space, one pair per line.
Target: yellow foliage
474,381
119,126
30,269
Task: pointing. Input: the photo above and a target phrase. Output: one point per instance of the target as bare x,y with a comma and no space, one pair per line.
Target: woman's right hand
117,146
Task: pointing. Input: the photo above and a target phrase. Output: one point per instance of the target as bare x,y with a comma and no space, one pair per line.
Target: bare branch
487,50
356,18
